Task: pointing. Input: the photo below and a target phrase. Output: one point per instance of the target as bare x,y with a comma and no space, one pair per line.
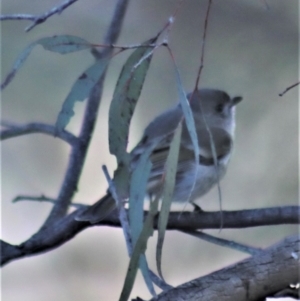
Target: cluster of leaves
137,230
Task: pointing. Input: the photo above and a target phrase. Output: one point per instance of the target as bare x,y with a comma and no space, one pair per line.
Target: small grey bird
211,108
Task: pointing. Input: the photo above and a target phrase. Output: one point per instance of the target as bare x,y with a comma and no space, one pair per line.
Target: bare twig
16,130
64,229
43,198
289,88
38,19
203,44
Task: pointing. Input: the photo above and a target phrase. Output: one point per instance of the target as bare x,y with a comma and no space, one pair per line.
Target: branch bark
15,130
79,151
252,279
64,229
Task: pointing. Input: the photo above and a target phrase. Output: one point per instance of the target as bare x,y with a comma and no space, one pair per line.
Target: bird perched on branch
214,115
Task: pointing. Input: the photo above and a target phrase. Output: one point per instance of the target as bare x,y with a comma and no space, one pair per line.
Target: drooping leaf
143,265
80,91
139,249
188,115
190,123
17,65
167,194
61,44
126,94
138,187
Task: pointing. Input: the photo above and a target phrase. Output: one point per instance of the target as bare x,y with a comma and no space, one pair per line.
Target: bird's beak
236,100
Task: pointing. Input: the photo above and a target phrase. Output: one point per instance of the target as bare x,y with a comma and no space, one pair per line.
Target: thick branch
66,228
253,279
15,130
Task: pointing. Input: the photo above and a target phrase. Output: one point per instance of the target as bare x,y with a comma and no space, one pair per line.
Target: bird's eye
219,108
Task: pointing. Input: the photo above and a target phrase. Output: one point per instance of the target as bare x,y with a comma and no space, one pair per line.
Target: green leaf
64,44
188,115
190,123
139,249
60,44
138,189
143,265
80,91
126,94
168,189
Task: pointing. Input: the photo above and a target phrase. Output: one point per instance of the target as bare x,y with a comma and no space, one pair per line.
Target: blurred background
251,50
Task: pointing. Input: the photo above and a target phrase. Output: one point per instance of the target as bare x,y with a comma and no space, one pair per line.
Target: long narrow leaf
139,249
143,265
80,91
127,92
138,186
60,44
169,185
188,115
126,95
190,123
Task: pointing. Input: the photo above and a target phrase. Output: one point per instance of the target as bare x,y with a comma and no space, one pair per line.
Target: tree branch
16,130
255,278
64,229
38,19
79,151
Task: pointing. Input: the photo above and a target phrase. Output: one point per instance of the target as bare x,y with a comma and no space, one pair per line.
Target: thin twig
224,242
15,130
211,141
38,19
203,45
289,88
43,198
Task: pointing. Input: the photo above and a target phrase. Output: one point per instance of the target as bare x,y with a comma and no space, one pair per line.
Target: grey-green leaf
80,91
138,186
139,249
169,185
61,44
64,44
190,122
126,94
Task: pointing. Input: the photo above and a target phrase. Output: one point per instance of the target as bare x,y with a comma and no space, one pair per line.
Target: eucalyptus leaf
168,189
61,44
126,95
64,44
80,91
140,248
138,189
190,123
